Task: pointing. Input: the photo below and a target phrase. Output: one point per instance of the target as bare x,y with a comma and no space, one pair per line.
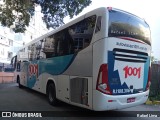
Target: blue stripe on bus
53,66
146,69
56,65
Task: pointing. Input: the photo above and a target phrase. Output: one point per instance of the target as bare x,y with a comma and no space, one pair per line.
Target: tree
152,58
17,13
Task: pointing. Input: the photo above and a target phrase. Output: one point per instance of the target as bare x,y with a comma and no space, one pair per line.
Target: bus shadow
31,91
67,110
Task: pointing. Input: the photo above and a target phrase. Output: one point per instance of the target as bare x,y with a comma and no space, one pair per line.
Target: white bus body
100,61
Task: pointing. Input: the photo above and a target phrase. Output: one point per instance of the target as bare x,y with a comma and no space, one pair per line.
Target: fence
155,80
6,68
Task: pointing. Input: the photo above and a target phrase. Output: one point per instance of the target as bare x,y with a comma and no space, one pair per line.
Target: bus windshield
123,24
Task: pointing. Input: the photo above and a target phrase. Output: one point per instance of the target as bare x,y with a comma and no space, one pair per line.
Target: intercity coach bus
99,61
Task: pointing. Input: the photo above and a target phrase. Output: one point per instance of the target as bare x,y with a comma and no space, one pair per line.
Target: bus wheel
19,84
51,94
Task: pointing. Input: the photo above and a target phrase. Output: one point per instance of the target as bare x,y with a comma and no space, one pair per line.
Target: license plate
129,100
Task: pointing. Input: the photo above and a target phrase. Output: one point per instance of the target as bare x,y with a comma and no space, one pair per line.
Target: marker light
109,8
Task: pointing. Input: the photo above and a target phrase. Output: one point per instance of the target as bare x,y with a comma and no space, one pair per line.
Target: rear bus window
123,24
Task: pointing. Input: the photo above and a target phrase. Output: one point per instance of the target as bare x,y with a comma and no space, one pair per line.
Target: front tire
20,86
18,81
51,94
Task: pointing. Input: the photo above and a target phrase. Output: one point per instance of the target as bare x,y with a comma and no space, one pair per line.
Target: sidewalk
7,85
155,102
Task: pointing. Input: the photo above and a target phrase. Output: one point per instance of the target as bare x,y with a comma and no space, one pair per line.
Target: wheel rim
50,94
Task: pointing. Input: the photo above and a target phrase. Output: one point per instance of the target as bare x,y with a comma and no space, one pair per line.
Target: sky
146,9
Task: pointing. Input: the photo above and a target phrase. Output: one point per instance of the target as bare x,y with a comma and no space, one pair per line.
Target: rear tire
51,94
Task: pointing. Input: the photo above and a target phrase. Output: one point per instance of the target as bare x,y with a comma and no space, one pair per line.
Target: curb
148,102
156,102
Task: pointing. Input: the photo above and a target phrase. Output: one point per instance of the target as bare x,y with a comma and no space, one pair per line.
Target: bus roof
93,12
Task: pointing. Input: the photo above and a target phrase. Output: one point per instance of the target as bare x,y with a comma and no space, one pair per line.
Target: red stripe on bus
131,39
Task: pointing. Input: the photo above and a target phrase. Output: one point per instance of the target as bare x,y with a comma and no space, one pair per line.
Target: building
6,44
11,42
36,27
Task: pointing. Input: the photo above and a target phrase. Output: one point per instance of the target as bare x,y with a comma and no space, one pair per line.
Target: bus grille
130,55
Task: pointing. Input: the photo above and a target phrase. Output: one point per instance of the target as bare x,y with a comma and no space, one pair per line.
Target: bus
99,61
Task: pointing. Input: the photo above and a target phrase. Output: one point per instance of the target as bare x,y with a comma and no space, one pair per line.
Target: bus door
14,62
24,72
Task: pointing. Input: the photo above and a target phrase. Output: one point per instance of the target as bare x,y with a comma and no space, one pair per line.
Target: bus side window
82,32
49,49
39,46
98,25
18,66
70,40
86,43
32,52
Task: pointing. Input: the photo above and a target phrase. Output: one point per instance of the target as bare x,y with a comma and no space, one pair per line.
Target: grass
153,100
149,102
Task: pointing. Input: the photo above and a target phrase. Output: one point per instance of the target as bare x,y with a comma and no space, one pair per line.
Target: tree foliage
17,13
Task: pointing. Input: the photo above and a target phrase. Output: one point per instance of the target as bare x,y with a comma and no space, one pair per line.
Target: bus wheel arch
51,93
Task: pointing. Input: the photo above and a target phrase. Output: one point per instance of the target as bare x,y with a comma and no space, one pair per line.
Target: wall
6,77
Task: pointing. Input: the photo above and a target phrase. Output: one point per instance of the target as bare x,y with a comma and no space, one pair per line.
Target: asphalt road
21,100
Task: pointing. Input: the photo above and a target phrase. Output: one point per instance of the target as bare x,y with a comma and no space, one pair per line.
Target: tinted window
71,39
32,55
98,25
126,25
49,46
